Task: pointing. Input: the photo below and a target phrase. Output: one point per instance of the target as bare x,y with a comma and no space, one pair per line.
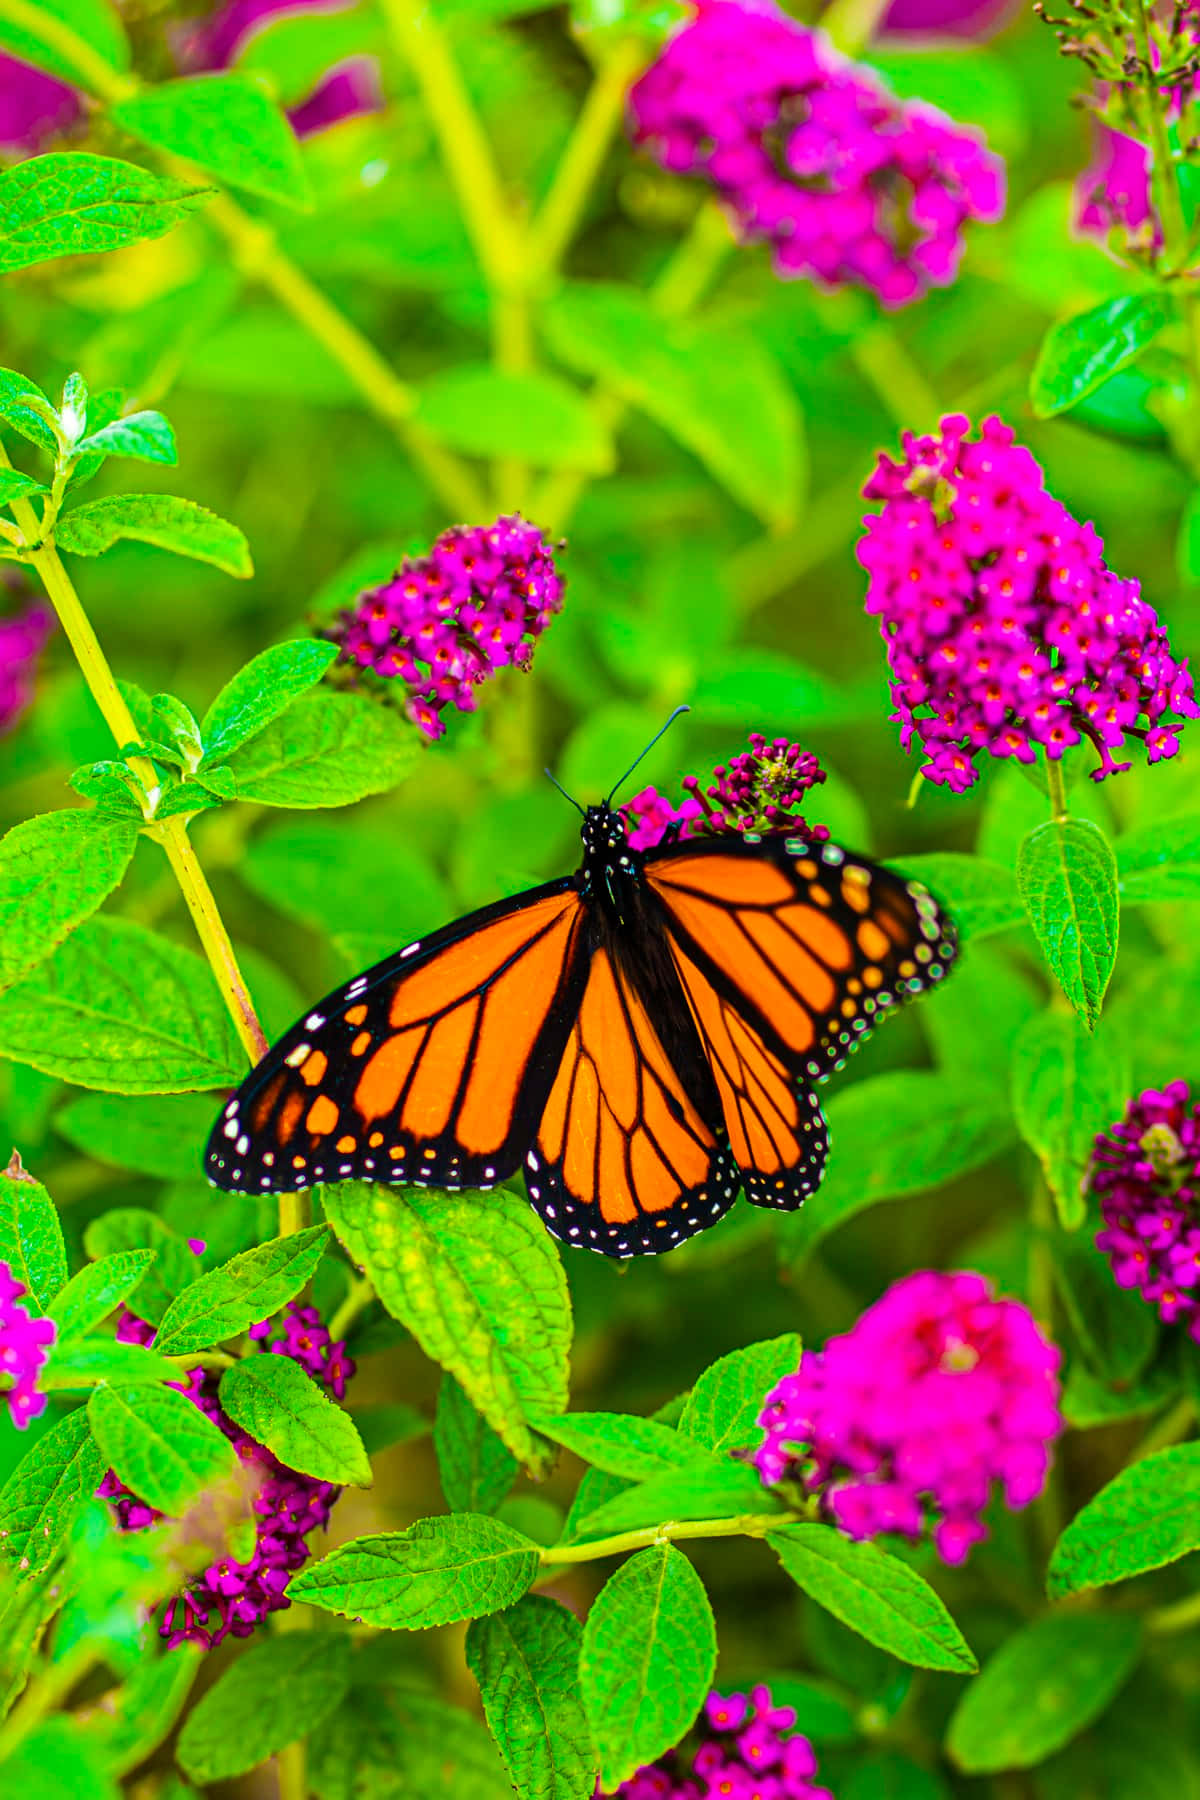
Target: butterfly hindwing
811,944
630,1156
432,1068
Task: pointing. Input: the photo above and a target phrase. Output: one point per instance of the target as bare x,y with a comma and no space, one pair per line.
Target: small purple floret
22,639
447,621
905,1422
744,1747
1146,1175
25,1342
1006,631
760,789
812,155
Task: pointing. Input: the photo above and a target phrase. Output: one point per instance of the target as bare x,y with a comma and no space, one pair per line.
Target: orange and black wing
809,943
631,1155
431,1068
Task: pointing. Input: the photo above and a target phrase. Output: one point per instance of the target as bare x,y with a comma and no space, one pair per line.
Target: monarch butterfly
642,1036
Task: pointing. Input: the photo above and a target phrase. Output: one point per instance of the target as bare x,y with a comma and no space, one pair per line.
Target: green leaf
980,896
91,1295
119,1008
721,1412
494,412
526,1661
228,126
159,1135
403,1743
437,1572
326,750
1045,1684
134,1228
1067,1086
30,412
1078,354
145,436
1116,1330
163,519
163,1448
273,1694
54,872
889,1775
260,692
41,1497
31,1239
393,1422
1067,875
69,204
716,389
478,1282
281,1406
85,1362
96,22
1147,1517
251,1287
16,486
347,879
58,1761
895,1134
648,1659
724,1490
874,1594
1161,861
144,1711
622,1444
476,1467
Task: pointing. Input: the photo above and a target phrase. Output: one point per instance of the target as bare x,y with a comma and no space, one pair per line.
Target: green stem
45,1694
1181,1615
292,1767
170,833
295,1212
205,1359
671,1531
1174,1424
1056,788
597,124
901,387
1163,179
361,1294
1049,1514
850,24
259,257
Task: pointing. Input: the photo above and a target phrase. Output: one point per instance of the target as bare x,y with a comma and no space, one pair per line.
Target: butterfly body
641,1038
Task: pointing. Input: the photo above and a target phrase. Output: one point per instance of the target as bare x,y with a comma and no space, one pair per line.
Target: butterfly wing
788,954
431,1068
630,1157
809,943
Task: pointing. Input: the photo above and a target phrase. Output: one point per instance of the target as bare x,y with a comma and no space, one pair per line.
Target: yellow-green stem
260,258
170,833
45,1694
361,1294
292,1767
1174,1424
1181,1615
1163,181
295,1212
850,24
672,1531
902,389
587,147
1056,788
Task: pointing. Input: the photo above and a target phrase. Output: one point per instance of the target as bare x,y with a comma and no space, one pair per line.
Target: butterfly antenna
562,790
642,755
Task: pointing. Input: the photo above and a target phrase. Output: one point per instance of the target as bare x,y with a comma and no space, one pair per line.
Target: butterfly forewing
810,944
630,1157
433,1067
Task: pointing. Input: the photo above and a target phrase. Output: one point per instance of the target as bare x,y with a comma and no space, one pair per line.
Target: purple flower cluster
905,1421
22,639
231,1598
1113,193
812,154
1005,629
1146,1175
446,621
742,1751
760,789
25,1342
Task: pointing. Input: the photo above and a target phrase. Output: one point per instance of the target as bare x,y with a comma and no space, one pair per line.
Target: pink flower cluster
1005,629
1146,1175
22,639
758,790
231,1598
812,154
25,1342
1113,193
448,620
746,1748
903,1423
